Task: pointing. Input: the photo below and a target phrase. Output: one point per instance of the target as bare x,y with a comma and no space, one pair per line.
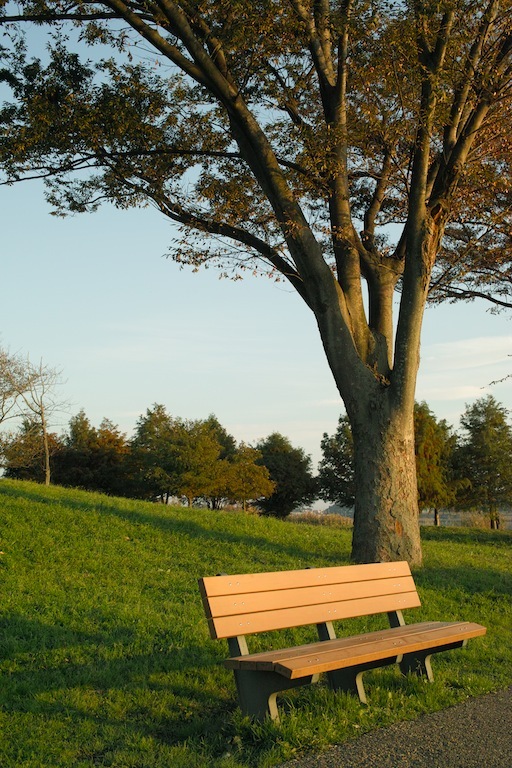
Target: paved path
475,734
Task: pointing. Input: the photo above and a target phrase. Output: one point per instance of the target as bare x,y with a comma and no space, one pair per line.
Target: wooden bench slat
265,621
265,660
214,586
402,644
331,655
294,598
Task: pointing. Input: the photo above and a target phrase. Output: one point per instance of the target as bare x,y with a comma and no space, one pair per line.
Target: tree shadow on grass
470,579
467,536
42,676
19,635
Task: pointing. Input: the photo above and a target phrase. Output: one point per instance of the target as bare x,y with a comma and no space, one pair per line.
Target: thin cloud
478,352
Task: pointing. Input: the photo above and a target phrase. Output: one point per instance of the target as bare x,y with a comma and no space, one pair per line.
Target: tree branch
468,294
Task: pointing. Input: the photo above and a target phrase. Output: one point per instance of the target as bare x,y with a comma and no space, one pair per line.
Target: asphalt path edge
474,734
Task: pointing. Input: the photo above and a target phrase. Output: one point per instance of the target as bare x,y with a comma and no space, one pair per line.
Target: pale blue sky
94,296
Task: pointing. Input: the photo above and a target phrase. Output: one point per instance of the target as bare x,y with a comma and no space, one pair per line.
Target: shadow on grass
192,685
19,635
470,579
44,675
474,576
467,536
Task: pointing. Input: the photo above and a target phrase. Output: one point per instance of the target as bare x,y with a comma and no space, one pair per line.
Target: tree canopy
335,92
352,149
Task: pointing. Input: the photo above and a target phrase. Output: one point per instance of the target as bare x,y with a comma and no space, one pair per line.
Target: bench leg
419,662
351,678
348,680
257,691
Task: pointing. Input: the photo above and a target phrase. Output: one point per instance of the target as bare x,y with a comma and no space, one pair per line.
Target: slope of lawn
105,657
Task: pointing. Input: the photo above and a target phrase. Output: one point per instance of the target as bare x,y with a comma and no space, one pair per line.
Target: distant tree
34,390
336,479
155,465
111,459
290,470
434,446
484,457
227,442
247,480
25,452
198,452
221,472
94,459
73,465
191,458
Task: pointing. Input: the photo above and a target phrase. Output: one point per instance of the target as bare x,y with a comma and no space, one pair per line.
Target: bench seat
330,655
246,604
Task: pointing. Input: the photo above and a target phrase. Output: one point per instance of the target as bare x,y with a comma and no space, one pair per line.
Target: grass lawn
105,657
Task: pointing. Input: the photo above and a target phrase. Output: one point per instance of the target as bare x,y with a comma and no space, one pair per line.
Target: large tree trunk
386,519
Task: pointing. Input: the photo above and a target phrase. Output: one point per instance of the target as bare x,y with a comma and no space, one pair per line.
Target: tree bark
386,518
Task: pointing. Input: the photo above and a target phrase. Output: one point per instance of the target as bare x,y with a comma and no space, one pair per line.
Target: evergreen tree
94,459
484,458
155,465
336,469
434,445
74,464
290,470
112,452
227,442
198,452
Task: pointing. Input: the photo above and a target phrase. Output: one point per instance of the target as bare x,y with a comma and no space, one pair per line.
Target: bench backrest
260,602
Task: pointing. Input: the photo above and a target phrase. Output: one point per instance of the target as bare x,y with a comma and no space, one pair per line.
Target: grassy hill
105,658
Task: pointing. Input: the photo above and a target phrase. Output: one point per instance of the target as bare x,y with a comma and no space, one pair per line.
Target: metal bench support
257,691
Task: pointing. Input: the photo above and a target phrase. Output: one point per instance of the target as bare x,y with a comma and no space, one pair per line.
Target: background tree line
200,462
167,457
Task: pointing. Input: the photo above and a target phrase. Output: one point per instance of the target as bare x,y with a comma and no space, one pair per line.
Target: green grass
105,658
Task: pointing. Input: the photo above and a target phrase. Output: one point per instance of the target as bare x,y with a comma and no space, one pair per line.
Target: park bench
245,604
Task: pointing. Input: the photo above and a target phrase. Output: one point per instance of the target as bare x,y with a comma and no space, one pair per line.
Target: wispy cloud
450,392
478,352
455,373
